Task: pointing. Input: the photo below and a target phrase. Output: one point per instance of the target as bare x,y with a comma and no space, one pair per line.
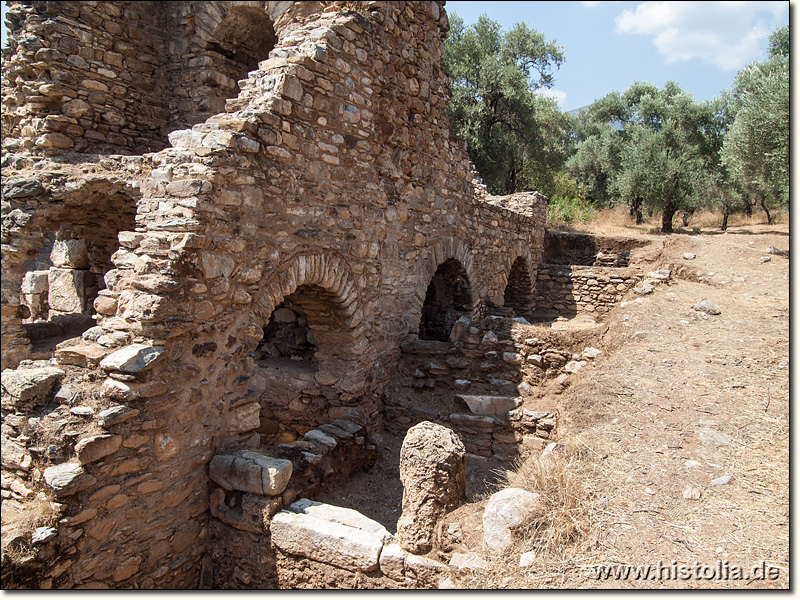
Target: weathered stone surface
339,514
706,307
392,562
14,456
249,512
24,389
244,418
133,358
506,511
35,282
433,473
71,254
490,405
67,479
116,415
574,366
325,541
94,448
248,471
81,355
66,290
424,571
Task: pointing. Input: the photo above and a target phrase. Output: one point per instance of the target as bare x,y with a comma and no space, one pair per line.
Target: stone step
326,541
490,405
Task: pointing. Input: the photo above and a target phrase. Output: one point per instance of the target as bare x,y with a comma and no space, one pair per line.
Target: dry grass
617,221
26,516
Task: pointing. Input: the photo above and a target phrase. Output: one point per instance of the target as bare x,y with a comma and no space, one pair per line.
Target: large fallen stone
132,359
433,473
325,541
246,512
67,479
506,511
248,471
490,405
341,515
23,389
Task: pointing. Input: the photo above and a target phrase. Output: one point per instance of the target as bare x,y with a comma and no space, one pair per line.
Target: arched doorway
519,289
448,297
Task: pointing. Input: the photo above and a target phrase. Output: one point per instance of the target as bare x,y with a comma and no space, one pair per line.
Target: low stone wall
569,290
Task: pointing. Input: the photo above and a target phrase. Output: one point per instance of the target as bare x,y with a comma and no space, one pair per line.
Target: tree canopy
514,135
756,148
647,147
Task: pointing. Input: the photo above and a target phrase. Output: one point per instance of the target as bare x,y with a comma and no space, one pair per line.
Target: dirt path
682,401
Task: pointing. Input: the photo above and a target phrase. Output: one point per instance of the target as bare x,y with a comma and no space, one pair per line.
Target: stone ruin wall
330,178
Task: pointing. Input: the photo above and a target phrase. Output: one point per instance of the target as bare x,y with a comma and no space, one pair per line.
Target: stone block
70,254
132,359
490,405
324,541
23,389
66,290
392,562
506,511
67,479
35,282
339,514
247,512
251,472
94,448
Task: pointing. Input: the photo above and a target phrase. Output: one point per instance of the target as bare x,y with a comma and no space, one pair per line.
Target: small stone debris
689,256
773,250
42,535
82,411
706,307
692,493
724,480
644,290
526,559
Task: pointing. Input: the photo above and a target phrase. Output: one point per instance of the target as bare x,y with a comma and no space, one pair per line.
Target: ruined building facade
251,206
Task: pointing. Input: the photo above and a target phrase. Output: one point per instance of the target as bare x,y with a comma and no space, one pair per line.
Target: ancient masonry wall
331,179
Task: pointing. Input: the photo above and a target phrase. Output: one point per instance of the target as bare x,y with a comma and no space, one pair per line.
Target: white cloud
591,3
556,95
725,34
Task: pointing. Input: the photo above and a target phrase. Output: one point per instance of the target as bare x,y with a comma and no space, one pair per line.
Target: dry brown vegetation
677,400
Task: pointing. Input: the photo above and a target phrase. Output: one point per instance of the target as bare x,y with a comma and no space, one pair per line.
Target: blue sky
609,45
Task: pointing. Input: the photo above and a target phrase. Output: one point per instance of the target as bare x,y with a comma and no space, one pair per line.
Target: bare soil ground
677,437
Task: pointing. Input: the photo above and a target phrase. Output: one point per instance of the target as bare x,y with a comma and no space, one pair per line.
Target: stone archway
445,290
519,292
319,288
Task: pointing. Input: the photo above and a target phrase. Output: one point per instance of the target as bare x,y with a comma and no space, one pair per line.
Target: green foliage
567,204
756,148
657,155
514,135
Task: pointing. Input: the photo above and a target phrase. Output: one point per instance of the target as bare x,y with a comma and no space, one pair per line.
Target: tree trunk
666,217
725,213
685,217
764,206
636,210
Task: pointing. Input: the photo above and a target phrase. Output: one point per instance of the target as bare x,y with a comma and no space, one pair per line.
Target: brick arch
329,285
519,278
443,250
